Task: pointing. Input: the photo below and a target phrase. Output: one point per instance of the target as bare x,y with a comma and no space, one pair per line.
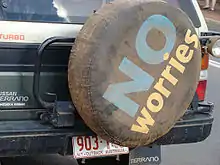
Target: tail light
201,88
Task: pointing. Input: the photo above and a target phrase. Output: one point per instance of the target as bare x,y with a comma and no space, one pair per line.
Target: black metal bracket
206,36
55,111
210,33
38,63
62,115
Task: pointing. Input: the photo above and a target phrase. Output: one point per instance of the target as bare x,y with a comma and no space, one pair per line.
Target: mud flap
145,155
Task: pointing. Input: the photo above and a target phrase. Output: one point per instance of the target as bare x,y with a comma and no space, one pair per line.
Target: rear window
61,11
188,7
70,11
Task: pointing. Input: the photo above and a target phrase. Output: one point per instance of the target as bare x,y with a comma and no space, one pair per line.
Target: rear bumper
194,127
32,137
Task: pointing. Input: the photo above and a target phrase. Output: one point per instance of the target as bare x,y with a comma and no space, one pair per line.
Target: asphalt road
203,153
39,160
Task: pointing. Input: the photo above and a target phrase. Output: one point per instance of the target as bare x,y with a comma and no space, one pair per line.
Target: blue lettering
115,93
142,81
163,24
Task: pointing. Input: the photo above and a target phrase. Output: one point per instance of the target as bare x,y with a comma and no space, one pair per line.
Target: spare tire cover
134,69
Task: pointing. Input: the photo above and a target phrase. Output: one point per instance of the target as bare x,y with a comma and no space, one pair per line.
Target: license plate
94,146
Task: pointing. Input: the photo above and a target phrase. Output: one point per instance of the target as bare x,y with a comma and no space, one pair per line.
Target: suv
37,114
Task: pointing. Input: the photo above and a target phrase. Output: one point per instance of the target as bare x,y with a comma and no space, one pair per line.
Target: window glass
188,7
70,11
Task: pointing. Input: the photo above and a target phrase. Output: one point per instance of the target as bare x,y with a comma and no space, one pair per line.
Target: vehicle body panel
21,130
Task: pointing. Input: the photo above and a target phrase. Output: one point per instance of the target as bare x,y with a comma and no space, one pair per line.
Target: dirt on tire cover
109,53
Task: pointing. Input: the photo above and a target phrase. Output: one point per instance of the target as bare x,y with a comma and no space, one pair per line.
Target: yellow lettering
190,39
155,97
159,86
177,65
181,53
155,101
143,122
166,74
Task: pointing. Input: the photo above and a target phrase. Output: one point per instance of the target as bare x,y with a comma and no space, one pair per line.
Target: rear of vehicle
35,39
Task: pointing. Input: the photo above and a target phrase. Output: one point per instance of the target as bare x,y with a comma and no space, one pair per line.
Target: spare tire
133,70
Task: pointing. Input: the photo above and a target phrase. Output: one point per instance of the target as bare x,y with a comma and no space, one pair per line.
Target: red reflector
201,89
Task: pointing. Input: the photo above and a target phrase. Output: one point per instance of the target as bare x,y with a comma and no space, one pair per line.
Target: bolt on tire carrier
58,113
61,114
